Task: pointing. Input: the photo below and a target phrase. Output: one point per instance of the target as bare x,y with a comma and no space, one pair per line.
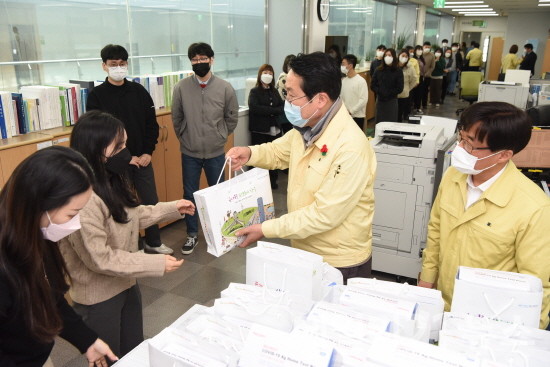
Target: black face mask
119,163
201,69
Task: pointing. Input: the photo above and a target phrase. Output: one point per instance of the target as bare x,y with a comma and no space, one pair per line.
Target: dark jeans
403,109
425,91
192,169
360,271
256,139
143,179
360,122
118,321
386,110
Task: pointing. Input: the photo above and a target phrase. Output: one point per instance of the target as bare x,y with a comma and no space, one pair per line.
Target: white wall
317,30
285,20
496,27
524,26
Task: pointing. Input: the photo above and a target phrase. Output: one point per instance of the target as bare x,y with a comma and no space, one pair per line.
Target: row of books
161,87
40,107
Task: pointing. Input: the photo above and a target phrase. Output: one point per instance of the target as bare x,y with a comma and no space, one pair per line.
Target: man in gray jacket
204,113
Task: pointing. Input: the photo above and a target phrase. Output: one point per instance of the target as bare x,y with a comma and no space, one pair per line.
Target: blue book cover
18,98
3,121
84,98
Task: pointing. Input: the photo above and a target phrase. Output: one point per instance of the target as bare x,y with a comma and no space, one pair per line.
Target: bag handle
227,160
266,287
498,312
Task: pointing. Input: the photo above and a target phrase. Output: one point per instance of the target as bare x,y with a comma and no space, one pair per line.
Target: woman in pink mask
39,205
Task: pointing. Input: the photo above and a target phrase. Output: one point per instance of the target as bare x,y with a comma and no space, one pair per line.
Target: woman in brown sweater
103,256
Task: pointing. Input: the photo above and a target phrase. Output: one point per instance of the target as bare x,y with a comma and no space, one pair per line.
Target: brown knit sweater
103,258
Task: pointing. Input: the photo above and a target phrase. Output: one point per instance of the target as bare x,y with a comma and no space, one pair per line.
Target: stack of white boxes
366,323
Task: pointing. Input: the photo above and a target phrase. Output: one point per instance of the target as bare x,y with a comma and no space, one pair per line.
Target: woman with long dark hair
387,83
266,112
39,205
103,255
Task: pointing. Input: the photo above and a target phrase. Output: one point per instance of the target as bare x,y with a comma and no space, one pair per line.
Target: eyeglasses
201,60
123,64
466,145
293,99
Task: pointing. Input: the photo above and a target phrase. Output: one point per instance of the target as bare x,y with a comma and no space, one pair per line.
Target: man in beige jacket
331,171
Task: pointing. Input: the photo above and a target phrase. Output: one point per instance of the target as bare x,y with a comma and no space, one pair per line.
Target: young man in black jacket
132,104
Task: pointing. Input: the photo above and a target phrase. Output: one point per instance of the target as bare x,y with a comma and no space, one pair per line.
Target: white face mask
344,69
379,53
419,53
55,232
426,50
447,55
444,44
465,162
438,54
388,60
454,49
118,73
403,59
411,54
266,78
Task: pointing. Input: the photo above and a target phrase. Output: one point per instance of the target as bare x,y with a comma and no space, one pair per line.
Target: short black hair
381,47
351,59
454,44
504,125
528,45
445,40
200,48
427,43
114,52
288,59
319,73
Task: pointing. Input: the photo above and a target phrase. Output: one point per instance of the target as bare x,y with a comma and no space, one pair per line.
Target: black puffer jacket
266,109
387,83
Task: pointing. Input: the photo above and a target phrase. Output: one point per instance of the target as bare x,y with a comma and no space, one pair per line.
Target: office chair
469,87
540,115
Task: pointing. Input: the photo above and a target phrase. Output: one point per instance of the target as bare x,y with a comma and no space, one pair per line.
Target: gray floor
202,276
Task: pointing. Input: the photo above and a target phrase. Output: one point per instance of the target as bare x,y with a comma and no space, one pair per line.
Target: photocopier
411,160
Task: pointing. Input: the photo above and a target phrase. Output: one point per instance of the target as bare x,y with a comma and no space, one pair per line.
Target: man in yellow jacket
331,171
487,214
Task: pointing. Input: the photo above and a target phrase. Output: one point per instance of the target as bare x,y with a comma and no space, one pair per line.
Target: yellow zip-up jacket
475,57
330,197
506,229
510,62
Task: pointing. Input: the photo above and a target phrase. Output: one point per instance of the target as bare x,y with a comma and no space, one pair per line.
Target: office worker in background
436,81
410,81
103,257
510,62
456,55
39,205
445,45
529,59
331,171
418,93
487,214
266,111
204,112
429,65
387,83
132,104
355,93
448,68
474,57
378,59
281,80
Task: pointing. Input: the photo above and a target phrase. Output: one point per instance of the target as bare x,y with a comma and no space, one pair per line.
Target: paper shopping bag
507,296
285,268
237,203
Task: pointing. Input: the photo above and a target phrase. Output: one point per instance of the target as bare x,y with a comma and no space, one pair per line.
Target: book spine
2,121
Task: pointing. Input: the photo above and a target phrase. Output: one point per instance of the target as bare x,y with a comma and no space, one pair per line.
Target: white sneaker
190,244
162,249
437,105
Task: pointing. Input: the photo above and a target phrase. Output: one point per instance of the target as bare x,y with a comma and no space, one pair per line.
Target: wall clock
323,8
